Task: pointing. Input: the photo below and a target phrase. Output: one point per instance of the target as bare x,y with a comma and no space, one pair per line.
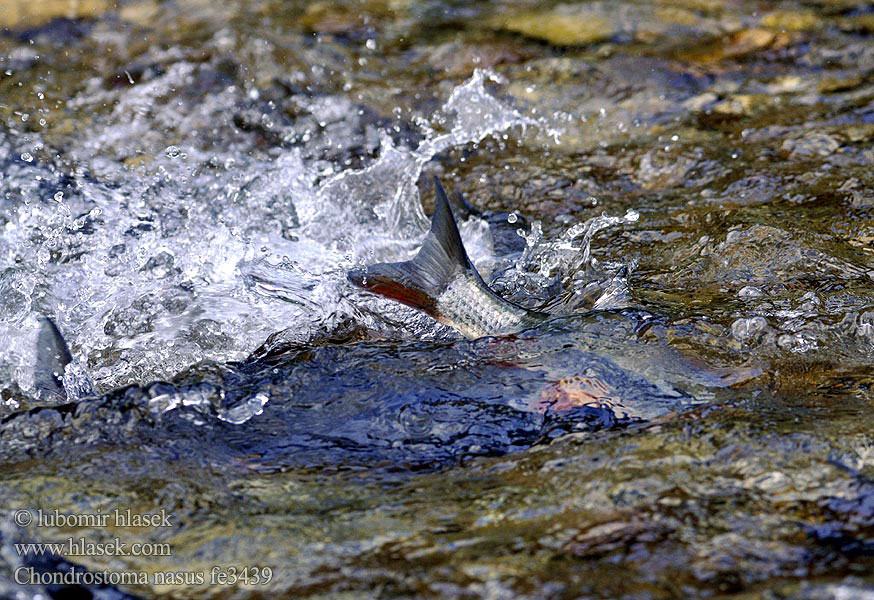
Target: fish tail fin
418,282
52,357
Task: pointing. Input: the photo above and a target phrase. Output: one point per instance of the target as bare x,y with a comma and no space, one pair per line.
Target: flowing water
685,184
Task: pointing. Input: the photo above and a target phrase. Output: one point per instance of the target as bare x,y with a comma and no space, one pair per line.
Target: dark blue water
406,405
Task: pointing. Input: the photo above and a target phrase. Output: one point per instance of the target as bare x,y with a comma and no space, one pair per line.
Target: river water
686,184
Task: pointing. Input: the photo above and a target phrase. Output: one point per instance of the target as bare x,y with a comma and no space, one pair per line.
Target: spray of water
202,255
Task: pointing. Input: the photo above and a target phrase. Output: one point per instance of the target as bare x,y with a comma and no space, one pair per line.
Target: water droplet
173,151
512,218
27,157
59,196
371,44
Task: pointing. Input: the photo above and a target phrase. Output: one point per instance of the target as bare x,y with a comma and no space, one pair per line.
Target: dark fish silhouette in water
442,282
52,357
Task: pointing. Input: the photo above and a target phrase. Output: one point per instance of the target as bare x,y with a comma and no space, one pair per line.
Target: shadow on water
399,405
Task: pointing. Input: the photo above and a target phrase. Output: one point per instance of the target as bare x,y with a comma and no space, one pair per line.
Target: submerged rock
565,26
21,13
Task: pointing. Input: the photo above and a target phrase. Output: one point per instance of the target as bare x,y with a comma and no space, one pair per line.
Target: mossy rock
26,13
558,27
788,20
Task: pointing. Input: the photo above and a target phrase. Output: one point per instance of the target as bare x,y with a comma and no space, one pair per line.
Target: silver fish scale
472,310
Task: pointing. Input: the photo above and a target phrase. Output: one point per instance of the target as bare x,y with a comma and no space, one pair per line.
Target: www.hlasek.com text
83,547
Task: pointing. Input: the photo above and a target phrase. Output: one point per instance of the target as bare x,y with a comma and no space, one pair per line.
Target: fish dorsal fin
420,281
443,251
52,357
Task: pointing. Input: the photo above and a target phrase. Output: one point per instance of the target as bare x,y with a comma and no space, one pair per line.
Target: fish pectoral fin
399,281
52,357
419,282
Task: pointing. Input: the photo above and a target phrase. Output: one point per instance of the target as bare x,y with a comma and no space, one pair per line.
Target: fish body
57,377
52,358
442,282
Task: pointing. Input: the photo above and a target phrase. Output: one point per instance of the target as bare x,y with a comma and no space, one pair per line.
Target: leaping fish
442,282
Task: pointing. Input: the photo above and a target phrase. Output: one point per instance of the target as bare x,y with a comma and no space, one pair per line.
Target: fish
52,357
443,283
57,376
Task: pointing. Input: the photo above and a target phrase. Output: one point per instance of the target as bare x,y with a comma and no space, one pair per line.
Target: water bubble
512,218
415,422
747,329
59,196
632,216
27,157
866,324
750,291
798,342
370,44
173,152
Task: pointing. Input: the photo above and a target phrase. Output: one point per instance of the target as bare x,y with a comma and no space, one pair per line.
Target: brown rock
558,27
788,20
27,13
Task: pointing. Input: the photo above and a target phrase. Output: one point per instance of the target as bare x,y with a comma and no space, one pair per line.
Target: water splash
201,255
563,273
206,401
191,254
